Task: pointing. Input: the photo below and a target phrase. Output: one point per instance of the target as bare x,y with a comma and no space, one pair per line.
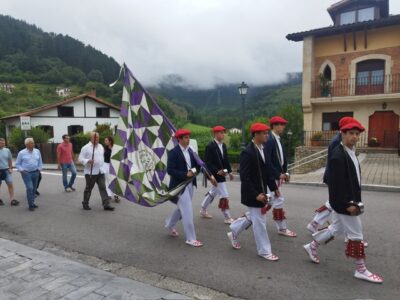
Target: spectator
6,170
65,159
92,157
29,163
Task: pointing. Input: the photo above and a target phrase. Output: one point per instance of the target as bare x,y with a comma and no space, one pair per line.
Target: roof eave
332,30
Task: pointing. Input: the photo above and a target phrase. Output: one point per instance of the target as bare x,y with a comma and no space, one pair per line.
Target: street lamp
289,133
243,92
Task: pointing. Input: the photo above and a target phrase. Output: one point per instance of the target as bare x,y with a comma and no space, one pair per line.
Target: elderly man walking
92,157
29,163
6,170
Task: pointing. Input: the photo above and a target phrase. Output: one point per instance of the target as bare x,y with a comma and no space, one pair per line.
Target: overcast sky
205,41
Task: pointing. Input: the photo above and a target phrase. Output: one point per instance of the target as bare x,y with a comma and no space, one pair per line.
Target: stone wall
302,152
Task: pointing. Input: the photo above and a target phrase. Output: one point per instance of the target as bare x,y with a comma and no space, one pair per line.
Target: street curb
365,187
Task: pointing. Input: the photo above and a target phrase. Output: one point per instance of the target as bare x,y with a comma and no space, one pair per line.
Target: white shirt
220,147
278,140
186,154
86,155
261,150
352,154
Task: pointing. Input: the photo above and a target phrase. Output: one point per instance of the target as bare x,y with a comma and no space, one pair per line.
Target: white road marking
59,174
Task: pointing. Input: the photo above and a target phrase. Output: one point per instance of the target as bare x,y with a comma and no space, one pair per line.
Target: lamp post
243,92
290,133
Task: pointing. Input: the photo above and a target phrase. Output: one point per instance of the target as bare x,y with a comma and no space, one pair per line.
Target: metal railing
308,159
374,138
387,84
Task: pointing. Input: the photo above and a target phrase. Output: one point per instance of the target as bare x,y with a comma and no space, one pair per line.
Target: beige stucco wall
308,75
379,38
361,111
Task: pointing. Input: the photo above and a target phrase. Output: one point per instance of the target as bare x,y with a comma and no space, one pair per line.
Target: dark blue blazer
343,184
251,165
273,157
177,167
332,145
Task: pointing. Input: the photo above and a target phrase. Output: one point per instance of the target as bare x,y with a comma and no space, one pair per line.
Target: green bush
201,134
235,141
16,140
79,140
234,156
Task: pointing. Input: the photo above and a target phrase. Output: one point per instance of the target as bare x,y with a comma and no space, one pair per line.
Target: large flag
138,167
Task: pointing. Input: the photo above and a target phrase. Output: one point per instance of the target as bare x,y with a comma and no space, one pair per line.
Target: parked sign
25,123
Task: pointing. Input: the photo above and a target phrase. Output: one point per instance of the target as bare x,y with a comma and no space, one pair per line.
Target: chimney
92,92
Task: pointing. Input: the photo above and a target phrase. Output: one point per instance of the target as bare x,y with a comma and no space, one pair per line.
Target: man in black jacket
345,199
217,161
255,177
181,166
323,213
277,162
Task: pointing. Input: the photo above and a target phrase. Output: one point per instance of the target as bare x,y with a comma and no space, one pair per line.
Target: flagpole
91,165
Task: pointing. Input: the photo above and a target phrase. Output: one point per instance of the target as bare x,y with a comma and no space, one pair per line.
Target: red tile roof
60,103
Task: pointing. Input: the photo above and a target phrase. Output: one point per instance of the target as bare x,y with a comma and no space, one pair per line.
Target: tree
96,76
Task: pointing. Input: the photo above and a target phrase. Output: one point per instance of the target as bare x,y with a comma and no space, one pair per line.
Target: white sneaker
374,278
228,221
271,257
313,256
205,214
234,242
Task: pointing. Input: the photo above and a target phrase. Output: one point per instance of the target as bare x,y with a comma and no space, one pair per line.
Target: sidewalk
27,273
380,172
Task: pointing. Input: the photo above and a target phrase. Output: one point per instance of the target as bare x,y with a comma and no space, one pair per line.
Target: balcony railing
387,84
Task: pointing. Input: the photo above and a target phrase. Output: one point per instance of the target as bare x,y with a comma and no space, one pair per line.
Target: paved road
134,235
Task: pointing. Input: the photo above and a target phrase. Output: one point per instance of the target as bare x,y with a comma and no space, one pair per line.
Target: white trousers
259,221
220,190
278,202
106,170
184,211
323,216
351,226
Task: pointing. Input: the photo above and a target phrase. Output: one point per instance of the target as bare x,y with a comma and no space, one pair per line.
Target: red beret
346,120
258,127
182,132
277,120
218,128
352,125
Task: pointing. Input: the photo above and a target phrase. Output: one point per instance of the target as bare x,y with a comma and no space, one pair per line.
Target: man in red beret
255,177
181,166
323,213
217,160
277,162
345,199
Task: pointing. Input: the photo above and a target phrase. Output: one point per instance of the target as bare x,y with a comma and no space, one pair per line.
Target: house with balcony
352,68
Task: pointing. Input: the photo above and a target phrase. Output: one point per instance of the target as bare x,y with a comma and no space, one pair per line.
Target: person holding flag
217,161
92,157
181,166
255,176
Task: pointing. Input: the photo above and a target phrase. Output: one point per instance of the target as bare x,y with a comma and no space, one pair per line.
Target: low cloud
206,42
